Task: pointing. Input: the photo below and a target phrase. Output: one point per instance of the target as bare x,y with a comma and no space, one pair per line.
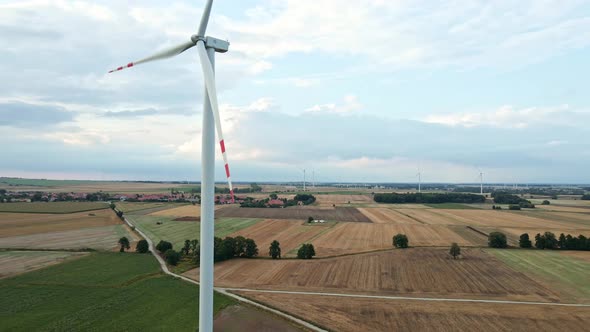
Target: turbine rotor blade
168,53
209,76
205,18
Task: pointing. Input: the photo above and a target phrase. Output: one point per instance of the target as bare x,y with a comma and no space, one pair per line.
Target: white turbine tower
419,175
206,47
481,182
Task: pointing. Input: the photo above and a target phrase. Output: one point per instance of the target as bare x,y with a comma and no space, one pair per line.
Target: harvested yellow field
387,216
561,208
339,200
409,272
487,218
290,234
364,314
347,238
16,224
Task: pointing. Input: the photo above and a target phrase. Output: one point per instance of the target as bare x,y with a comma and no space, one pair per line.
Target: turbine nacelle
219,45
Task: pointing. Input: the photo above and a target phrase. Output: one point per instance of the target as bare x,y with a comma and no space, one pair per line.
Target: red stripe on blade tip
222,143
227,170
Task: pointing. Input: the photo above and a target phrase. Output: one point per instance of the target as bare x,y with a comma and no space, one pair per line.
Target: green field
178,231
52,207
42,182
562,272
101,292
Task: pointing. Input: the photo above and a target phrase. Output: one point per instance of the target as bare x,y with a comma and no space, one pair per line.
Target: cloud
30,115
509,117
350,105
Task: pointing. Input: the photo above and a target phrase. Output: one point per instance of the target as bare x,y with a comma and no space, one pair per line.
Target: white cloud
350,105
509,117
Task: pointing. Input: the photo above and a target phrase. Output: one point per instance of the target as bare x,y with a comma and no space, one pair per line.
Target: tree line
432,198
501,197
548,240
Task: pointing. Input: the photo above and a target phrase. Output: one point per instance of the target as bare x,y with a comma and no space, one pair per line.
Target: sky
350,91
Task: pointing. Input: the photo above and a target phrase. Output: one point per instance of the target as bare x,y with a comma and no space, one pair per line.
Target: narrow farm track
221,290
431,299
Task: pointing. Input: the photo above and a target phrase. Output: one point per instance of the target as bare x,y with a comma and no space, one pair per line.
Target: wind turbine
206,48
419,175
481,182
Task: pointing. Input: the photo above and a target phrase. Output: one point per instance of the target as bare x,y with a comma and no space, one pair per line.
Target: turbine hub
219,45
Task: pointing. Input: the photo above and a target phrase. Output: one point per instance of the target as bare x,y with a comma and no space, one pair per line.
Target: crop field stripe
385,297
551,266
52,207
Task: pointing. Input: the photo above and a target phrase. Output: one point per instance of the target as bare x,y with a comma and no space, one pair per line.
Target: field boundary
386,297
165,269
411,217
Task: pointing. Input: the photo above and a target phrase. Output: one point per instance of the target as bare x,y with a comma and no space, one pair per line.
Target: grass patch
52,207
454,206
129,207
101,292
178,231
560,271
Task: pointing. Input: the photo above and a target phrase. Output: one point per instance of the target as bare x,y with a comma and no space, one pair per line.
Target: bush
142,247
497,240
309,219
514,207
172,257
307,251
545,202
163,246
400,241
524,241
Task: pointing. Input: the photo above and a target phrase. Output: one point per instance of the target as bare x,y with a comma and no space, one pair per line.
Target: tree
545,202
585,197
240,246
525,241
400,241
251,249
306,251
273,196
187,247
275,250
561,241
309,219
539,241
124,242
142,247
194,246
497,240
550,240
163,246
112,206
455,250
172,257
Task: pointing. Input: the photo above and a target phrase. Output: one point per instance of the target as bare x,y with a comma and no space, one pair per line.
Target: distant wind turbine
206,48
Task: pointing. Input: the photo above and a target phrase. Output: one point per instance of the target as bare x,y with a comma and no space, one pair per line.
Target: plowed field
387,216
290,234
347,238
15,224
335,214
17,262
357,314
415,271
339,200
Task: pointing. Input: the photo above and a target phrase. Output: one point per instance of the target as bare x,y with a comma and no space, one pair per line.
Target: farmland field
101,292
52,207
178,231
17,262
290,233
411,272
96,230
552,268
387,216
184,211
335,214
339,200
346,238
14,224
354,314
